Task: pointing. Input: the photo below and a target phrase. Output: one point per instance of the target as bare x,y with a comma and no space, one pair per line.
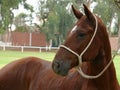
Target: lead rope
80,57
96,76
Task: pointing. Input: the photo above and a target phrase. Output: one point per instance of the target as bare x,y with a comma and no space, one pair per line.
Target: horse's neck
108,80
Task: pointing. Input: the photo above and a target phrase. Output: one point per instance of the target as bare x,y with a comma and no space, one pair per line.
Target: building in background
25,39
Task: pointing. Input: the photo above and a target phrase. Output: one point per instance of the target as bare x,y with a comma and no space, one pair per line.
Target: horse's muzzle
60,67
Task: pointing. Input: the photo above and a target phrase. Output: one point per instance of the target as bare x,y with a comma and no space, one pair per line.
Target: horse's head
77,41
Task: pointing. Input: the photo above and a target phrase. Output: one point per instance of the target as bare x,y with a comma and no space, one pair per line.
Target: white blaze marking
74,28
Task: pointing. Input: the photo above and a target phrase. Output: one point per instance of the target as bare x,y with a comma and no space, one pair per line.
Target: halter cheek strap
80,56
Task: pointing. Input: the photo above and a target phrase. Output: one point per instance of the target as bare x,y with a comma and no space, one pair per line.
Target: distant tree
57,19
20,19
6,14
19,22
117,2
107,10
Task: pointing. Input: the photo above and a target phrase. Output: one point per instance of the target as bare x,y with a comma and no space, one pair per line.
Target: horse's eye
81,35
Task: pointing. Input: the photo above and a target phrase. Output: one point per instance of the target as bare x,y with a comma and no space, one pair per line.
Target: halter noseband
80,56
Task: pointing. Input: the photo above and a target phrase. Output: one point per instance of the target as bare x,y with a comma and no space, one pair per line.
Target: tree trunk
118,35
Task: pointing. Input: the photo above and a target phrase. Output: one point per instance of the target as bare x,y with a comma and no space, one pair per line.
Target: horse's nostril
60,68
56,64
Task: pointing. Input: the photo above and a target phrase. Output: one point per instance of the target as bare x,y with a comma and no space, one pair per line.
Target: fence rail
22,48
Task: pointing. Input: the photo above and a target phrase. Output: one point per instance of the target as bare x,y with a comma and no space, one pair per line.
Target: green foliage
20,19
22,29
59,20
20,24
57,16
106,14
107,10
28,7
7,16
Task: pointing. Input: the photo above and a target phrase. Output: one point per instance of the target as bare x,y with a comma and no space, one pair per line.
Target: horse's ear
77,13
89,14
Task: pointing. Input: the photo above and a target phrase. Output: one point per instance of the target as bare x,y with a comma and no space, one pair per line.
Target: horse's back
20,73
34,74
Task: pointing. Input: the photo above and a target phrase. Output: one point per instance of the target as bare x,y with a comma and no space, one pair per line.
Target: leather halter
80,56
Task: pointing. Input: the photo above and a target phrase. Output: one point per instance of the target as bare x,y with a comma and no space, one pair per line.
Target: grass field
9,56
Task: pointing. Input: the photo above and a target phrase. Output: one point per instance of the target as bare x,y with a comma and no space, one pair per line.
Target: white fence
22,48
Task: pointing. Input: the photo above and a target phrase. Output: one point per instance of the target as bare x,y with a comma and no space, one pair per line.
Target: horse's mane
105,38
107,49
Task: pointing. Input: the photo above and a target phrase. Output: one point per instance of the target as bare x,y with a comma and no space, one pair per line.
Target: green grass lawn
117,66
8,56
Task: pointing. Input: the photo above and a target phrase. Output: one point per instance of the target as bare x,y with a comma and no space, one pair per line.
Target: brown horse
87,48
35,74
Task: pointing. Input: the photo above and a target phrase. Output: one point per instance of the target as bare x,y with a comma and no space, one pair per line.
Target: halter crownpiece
80,56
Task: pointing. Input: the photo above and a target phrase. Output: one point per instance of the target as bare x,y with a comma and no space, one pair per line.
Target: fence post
40,49
22,48
4,48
